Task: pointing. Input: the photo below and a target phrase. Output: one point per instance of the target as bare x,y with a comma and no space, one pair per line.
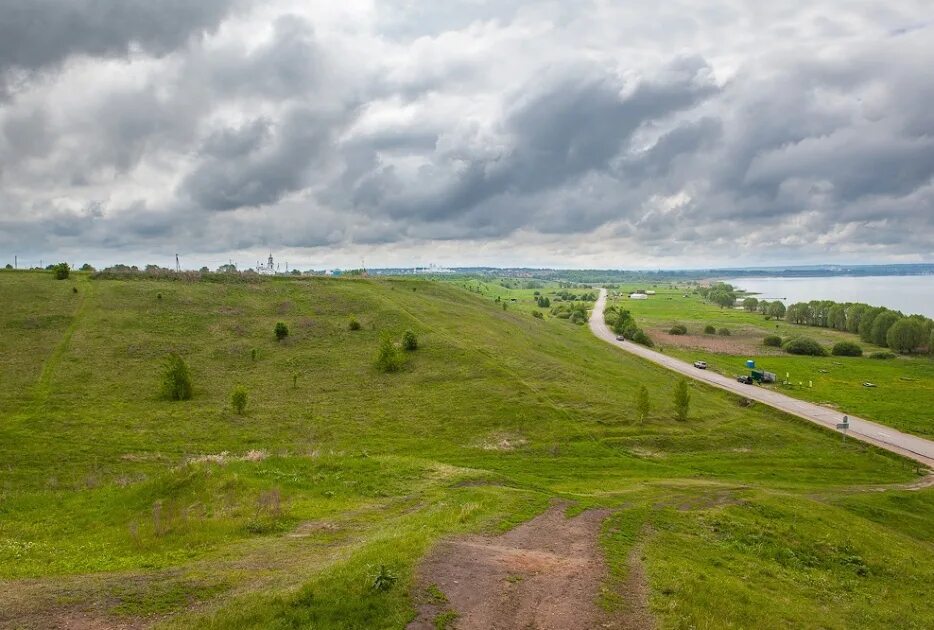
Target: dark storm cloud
259,163
38,33
560,128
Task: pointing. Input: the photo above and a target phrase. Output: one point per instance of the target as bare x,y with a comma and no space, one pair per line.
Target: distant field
120,507
905,385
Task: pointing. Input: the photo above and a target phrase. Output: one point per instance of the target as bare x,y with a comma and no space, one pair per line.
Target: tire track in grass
43,386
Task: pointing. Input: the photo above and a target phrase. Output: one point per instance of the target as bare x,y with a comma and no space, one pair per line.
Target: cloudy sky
571,133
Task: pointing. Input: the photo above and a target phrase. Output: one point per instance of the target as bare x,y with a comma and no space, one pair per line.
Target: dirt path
544,574
910,446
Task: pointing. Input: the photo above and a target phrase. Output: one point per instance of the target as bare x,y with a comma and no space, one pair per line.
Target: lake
908,294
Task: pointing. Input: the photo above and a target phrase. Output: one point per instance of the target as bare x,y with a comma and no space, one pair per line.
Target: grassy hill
118,505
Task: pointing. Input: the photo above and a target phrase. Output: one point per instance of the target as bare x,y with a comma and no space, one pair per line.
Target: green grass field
904,385
117,505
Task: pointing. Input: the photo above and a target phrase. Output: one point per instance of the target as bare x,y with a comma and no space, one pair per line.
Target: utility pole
177,266
15,262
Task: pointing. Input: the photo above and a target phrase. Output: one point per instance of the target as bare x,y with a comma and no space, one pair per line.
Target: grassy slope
103,499
905,384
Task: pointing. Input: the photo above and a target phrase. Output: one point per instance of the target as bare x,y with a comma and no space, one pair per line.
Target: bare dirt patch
739,342
638,616
544,574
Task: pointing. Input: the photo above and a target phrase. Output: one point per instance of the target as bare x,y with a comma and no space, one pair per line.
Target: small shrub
642,403
176,378
804,345
158,296
682,400
282,331
74,289
253,354
709,330
641,338
724,332
353,324
388,357
537,315
846,349
238,399
773,340
384,579
882,355
409,341
61,271
678,329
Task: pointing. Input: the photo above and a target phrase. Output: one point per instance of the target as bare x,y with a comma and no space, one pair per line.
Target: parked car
746,380
701,365
620,338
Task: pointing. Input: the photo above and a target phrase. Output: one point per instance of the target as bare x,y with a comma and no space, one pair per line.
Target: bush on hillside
642,403
389,358
537,315
353,324
773,340
678,329
238,399
724,332
176,378
409,341
846,349
804,345
61,271
282,331
882,355
682,400
641,338
710,330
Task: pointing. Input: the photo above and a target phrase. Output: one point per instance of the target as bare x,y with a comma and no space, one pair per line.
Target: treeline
873,324
725,295
623,323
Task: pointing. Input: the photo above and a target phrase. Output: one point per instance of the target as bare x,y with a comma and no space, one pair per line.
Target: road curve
910,446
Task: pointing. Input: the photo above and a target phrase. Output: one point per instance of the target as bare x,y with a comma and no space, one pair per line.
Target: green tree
776,310
238,399
881,325
682,400
854,313
836,317
751,304
642,403
866,322
176,378
61,271
905,335
281,330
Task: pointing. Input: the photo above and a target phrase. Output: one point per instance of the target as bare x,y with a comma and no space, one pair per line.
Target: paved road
910,446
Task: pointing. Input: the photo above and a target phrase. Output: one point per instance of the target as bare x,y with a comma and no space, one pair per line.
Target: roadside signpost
843,426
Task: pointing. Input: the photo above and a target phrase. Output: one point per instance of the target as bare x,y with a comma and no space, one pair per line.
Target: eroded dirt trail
544,574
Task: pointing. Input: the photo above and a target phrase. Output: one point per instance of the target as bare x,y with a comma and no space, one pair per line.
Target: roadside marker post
843,426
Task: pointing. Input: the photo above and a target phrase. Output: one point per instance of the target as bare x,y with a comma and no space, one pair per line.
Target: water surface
908,294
